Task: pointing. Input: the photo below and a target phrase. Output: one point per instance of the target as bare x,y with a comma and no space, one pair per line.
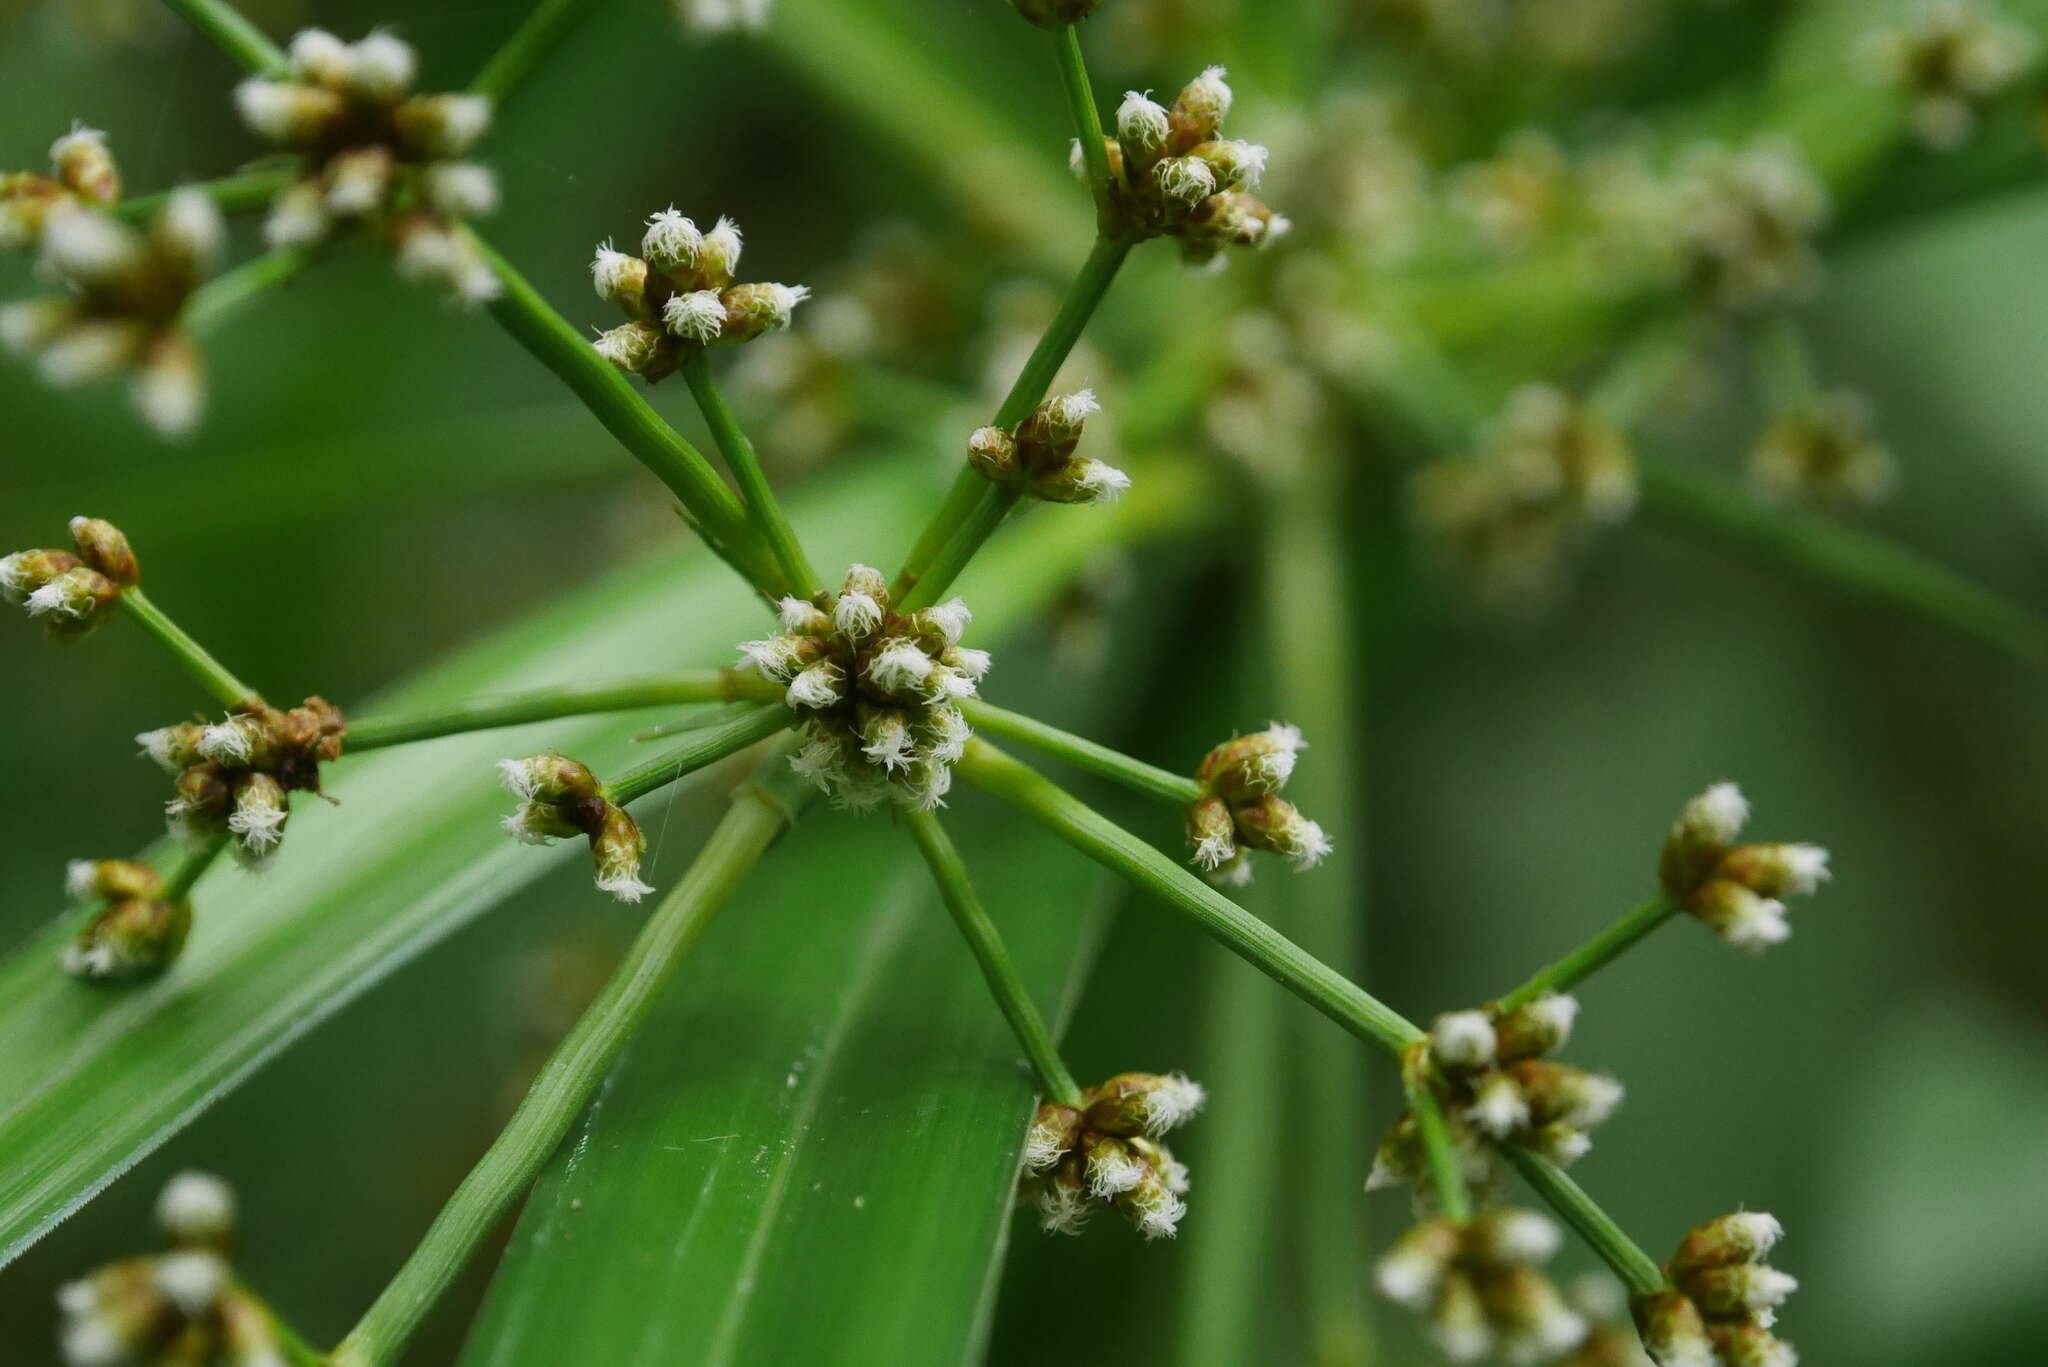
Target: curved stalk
546,704
1244,934
220,298
1583,961
1638,1271
1140,777
700,750
542,28
1080,95
229,691
233,34
997,968
764,510
759,812
1445,1173
191,867
231,194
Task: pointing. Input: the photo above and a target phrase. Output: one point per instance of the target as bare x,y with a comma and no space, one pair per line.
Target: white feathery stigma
856,615
1719,813
1463,1040
698,316
951,618
1168,1105
79,877
817,686
195,1205
192,1279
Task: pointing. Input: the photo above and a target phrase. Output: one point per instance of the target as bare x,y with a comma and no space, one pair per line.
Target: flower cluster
236,776
183,1306
1824,454
125,287
1737,890
377,156
1952,58
72,593
1241,808
679,293
1744,221
560,798
1511,200
1036,457
877,691
1481,1286
84,175
1509,517
1171,174
138,929
1489,1072
1724,1299
1108,1150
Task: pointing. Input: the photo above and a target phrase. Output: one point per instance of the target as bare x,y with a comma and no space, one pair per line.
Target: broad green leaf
91,1079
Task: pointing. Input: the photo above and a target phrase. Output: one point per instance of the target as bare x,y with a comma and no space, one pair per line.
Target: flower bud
720,256
551,778
1743,1237
357,181
1202,106
1673,1332
73,603
1503,1237
1412,1272
1063,1205
632,347
202,803
1252,766
190,229
261,808
1743,1289
1540,1027
1498,1107
1141,131
1152,1205
287,113
86,167
1783,870
382,68
320,57
1751,1345
88,248
29,325
619,279
1235,218
102,546
133,936
92,349
1739,916
1272,823
24,572
698,316
298,216
618,847
1534,1323
1236,165
1054,1131
1081,480
1109,1164
1558,1092
1212,832
671,244
1183,182
1463,1041
818,686
993,452
1144,1103
1458,1322
751,310
1055,425
1706,826
461,189
442,127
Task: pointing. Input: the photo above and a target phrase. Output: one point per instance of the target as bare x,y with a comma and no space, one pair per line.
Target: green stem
1596,952
544,26
232,194
1083,295
1839,557
610,396
707,715
763,508
546,704
986,942
1445,1173
1245,935
1066,39
972,535
1638,1272
233,34
705,748
1135,774
572,1073
191,866
213,676
220,298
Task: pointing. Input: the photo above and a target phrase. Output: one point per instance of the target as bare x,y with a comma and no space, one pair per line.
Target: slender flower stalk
1235,928
1602,949
1080,94
544,26
222,297
970,491
764,510
1446,1174
241,192
192,866
1638,1270
233,34
545,704
1176,790
705,748
997,968
709,505
213,676
759,812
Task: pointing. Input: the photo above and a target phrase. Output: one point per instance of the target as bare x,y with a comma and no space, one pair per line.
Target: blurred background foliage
381,478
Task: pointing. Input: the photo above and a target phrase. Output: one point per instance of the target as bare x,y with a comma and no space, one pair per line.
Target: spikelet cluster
559,799
679,294
124,287
1513,198
1825,455
1481,1286
1724,1299
1241,809
377,157
1495,1085
72,592
1106,1152
1036,457
236,777
1738,891
1953,59
1744,221
1173,174
876,689
180,1308
1510,518
138,929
